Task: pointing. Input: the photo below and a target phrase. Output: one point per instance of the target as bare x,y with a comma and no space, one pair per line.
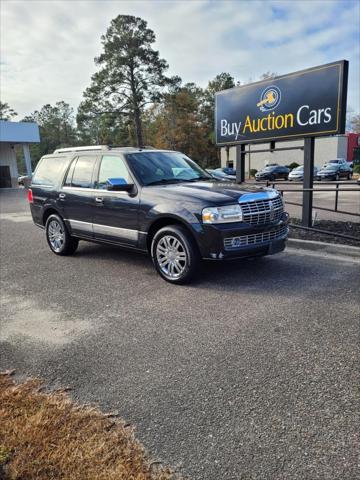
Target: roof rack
82,149
92,148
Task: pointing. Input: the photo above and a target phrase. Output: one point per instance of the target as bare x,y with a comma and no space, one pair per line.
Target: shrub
252,172
293,165
356,168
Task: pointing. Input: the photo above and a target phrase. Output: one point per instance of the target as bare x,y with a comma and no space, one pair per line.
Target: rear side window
83,171
49,171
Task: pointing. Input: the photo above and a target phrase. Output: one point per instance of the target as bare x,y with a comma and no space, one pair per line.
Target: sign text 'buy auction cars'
307,103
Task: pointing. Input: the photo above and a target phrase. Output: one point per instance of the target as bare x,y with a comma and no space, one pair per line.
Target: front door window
112,167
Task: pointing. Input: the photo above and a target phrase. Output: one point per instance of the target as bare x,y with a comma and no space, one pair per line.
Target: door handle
99,199
62,196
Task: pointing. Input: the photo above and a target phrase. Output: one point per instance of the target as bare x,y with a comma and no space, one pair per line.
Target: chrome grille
261,211
232,243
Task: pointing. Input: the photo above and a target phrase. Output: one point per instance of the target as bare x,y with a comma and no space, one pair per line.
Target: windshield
334,161
165,167
330,167
268,169
299,169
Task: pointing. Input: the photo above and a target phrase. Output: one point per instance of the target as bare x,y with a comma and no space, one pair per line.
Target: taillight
30,196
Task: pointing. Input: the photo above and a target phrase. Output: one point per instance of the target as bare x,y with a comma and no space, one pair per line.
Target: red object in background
30,196
353,142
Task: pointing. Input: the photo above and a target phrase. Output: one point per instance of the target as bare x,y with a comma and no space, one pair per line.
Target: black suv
272,172
154,201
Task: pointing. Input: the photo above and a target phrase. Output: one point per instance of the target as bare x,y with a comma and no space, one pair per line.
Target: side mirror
118,185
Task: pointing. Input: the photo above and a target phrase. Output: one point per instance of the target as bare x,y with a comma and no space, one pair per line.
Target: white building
326,148
13,134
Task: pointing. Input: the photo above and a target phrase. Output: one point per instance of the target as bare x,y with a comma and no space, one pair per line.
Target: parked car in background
155,201
24,180
298,173
220,174
337,161
334,171
229,171
274,172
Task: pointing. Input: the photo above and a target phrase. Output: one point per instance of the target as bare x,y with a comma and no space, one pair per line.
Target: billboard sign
310,102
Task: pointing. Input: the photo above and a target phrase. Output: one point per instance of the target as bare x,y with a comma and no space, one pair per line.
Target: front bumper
238,240
326,177
262,178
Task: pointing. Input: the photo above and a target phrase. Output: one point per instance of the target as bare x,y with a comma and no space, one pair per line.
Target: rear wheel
337,178
58,237
175,254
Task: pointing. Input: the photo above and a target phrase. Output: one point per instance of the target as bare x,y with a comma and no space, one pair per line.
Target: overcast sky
48,46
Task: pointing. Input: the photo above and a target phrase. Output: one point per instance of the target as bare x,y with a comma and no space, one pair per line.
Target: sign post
305,104
309,148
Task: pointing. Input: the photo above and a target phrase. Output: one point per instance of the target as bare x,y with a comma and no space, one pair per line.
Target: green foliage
293,165
253,171
57,129
130,101
356,168
131,76
6,112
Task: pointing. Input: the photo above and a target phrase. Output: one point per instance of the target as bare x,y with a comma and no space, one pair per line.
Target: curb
330,248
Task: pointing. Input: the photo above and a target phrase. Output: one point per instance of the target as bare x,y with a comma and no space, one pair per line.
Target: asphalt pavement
250,373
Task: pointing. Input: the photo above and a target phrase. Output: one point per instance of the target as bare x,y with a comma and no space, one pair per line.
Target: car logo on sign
269,98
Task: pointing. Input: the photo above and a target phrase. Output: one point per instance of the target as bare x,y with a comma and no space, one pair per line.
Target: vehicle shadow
282,273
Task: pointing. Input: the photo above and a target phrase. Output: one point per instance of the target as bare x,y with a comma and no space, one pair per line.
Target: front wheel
337,178
175,254
58,237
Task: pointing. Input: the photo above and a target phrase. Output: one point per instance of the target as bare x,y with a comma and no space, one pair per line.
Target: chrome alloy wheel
56,235
171,256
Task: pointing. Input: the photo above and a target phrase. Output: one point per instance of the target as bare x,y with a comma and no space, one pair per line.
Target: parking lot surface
249,373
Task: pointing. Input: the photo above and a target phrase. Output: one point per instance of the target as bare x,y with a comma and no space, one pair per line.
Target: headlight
227,214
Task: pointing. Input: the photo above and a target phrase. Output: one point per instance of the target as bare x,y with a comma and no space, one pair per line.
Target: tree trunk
138,127
137,115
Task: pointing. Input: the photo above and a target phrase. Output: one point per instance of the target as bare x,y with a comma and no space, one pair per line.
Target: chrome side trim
124,233
82,226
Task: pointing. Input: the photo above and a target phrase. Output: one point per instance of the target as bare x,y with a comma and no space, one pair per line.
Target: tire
181,266
349,176
58,237
337,178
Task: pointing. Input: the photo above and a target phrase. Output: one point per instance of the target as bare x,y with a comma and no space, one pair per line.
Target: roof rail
81,149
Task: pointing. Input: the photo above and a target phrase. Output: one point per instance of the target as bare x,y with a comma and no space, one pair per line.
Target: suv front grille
233,243
262,211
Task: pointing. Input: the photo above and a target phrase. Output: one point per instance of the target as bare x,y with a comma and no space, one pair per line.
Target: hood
213,193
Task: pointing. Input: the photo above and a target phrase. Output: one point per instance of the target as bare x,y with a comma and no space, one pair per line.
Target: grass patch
46,436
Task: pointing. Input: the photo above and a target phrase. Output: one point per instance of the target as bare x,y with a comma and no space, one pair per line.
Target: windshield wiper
198,178
164,181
